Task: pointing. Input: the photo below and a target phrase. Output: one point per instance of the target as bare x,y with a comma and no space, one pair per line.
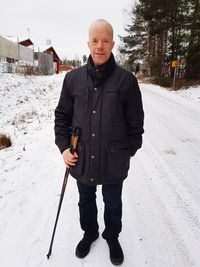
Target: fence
15,51
8,49
7,67
26,54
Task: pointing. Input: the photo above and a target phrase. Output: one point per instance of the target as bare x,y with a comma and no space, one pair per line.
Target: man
104,101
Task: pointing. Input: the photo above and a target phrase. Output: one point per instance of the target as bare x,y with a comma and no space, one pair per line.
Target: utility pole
175,65
28,29
174,78
18,49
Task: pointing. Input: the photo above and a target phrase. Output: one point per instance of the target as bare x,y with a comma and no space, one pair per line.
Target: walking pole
73,147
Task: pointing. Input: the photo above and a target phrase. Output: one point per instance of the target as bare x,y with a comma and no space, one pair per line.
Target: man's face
100,42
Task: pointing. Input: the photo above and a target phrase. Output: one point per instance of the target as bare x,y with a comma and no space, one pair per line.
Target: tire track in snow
166,200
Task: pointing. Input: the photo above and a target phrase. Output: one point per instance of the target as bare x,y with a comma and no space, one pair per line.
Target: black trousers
112,194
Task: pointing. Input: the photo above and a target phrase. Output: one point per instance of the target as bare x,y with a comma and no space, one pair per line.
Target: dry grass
23,118
5,141
184,84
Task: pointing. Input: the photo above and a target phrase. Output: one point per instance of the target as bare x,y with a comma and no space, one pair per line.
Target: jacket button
95,89
93,135
91,179
92,156
94,111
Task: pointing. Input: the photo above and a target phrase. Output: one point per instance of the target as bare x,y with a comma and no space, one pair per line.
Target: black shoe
116,253
83,247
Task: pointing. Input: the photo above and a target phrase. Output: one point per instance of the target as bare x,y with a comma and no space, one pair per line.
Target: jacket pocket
118,161
81,100
116,93
78,168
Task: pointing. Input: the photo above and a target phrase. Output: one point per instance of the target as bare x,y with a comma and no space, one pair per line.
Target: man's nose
99,44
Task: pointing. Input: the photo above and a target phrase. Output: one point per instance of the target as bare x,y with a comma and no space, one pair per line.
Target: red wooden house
56,58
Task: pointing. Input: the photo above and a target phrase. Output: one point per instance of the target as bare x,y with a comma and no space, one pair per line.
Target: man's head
100,41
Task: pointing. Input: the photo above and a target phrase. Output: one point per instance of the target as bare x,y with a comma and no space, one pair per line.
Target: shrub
5,141
164,82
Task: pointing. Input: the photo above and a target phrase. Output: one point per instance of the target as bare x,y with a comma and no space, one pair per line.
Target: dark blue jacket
106,105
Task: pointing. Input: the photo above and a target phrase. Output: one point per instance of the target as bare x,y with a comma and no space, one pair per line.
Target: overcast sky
64,22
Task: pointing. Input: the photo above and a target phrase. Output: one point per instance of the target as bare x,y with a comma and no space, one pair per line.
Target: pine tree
193,49
134,44
84,59
164,31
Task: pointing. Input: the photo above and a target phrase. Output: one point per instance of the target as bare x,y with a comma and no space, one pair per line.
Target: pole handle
74,140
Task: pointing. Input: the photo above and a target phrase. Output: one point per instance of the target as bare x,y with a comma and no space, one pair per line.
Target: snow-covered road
161,197
164,194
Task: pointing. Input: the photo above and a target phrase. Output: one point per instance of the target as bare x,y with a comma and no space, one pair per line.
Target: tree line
76,62
162,32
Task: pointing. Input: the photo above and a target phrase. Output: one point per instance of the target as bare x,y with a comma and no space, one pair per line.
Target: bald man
104,102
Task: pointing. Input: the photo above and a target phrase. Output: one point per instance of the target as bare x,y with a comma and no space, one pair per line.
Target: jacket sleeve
134,115
63,117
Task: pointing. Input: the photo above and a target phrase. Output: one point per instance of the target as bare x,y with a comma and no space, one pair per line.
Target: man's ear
113,44
88,43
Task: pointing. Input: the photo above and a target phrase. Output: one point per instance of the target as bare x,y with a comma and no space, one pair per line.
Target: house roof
52,50
16,39
26,42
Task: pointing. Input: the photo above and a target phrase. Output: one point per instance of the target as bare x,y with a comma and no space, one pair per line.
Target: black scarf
103,71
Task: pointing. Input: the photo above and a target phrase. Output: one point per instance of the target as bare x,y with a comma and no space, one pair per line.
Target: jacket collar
101,73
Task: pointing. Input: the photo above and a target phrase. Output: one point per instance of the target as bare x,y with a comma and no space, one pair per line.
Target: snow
161,200
193,93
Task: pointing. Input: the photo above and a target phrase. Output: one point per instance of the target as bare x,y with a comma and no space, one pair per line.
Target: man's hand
69,159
